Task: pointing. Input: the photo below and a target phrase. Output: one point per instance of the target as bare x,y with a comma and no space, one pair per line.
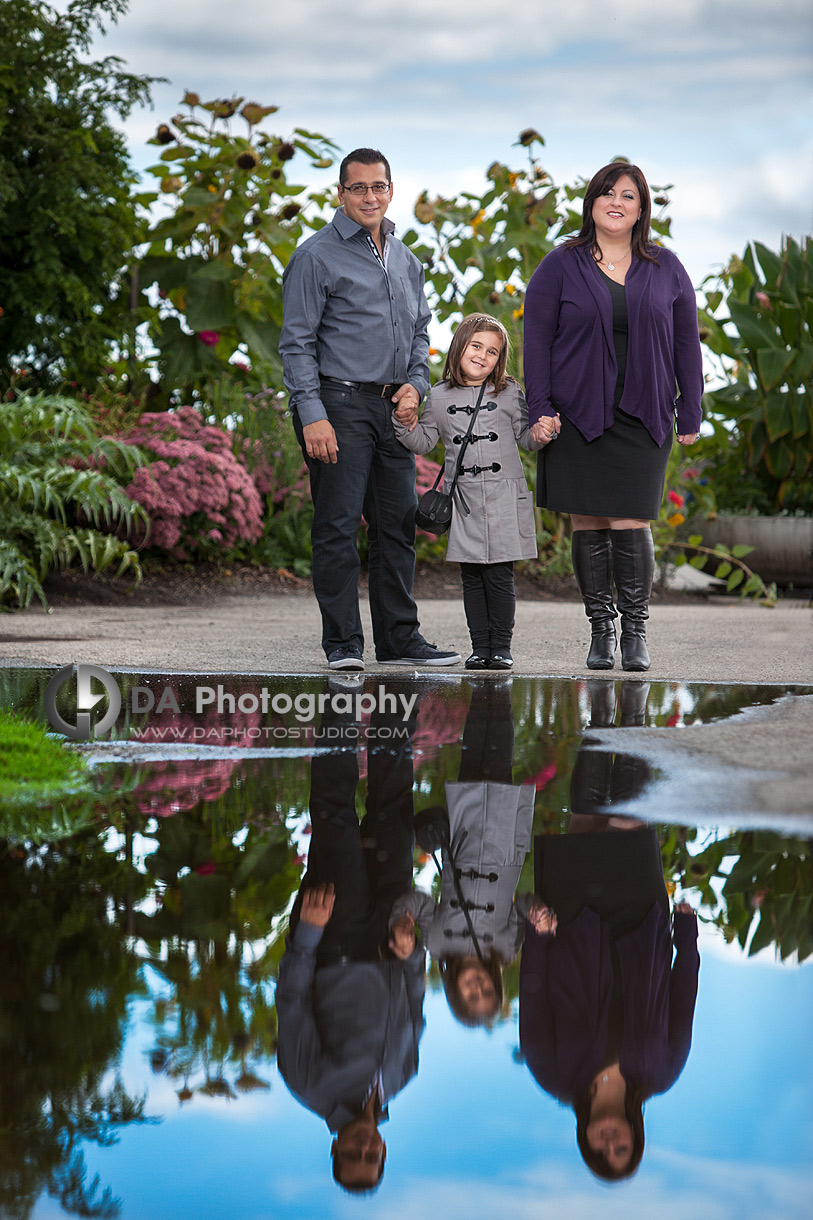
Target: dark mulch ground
182,586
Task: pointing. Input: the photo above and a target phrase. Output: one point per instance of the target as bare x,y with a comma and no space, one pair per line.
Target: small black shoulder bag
434,511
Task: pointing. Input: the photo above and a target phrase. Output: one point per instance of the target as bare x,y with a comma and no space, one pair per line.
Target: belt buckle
388,386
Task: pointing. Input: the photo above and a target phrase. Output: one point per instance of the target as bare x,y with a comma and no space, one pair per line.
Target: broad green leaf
736,578
741,549
772,363
722,570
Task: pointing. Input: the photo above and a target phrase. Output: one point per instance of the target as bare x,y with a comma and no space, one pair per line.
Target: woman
605,1014
610,329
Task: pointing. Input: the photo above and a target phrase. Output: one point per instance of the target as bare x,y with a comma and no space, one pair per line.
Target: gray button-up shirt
347,316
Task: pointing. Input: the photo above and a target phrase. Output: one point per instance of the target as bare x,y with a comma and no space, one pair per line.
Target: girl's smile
479,357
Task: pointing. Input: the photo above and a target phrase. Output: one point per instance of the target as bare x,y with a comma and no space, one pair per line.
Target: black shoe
347,657
501,659
592,556
418,652
478,660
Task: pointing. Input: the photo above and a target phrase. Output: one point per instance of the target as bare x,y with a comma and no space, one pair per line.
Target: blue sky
714,96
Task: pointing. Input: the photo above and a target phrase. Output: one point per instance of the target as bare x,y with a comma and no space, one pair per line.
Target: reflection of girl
477,926
605,1017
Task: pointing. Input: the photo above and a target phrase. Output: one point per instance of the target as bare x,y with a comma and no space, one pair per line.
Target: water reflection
161,991
350,991
479,840
605,1016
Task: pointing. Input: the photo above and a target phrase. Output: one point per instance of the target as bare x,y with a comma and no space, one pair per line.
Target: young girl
500,527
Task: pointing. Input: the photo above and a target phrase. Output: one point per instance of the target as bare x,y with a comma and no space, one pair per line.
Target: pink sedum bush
200,499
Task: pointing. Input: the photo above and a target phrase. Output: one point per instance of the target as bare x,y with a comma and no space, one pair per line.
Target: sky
712,96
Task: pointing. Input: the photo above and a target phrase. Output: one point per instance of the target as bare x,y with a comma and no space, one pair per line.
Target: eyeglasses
361,188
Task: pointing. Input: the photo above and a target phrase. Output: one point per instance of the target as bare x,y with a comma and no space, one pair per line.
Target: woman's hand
689,438
402,936
541,918
545,429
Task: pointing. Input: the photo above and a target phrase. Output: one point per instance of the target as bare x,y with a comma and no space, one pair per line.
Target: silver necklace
611,266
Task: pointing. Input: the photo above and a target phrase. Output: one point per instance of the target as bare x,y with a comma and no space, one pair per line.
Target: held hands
541,918
407,400
317,905
546,429
320,441
402,936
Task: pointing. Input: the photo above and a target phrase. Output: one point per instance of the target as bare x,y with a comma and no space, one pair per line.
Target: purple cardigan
565,985
569,360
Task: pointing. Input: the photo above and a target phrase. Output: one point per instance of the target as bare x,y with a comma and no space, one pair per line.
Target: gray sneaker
348,657
418,652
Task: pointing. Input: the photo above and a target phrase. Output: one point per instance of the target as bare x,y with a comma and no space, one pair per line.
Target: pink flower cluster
198,495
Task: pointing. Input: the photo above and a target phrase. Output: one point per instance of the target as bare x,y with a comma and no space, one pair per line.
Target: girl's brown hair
460,341
602,180
450,971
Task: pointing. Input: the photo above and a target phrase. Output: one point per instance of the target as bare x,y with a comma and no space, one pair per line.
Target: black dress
619,474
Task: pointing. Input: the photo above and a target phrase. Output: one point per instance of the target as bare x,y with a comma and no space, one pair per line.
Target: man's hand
320,441
402,936
317,905
688,438
407,400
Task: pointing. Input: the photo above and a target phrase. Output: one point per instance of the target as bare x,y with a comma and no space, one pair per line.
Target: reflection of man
349,998
354,341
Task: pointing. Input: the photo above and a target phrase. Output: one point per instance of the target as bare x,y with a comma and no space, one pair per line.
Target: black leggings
490,602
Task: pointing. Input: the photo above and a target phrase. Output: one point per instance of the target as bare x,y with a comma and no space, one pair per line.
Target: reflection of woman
610,328
605,1017
478,926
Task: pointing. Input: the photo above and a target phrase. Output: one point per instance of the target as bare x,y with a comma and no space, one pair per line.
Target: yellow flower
478,220
671,886
510,289
676,519
512,180
518,313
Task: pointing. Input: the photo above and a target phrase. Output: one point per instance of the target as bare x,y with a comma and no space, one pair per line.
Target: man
354,342
350,993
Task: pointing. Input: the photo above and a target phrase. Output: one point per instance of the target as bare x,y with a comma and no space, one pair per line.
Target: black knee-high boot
592,555
633,569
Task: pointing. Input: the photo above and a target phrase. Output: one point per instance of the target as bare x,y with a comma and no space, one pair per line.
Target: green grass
34,768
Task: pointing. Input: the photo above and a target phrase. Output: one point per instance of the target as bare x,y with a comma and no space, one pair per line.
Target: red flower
676,498
210,337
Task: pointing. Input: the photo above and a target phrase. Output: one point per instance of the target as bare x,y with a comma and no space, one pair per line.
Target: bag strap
463,447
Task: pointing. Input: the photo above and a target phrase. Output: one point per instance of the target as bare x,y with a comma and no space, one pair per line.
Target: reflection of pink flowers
210,337
676,498
764,300
543,777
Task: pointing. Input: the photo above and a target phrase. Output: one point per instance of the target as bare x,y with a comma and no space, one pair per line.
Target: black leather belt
366,387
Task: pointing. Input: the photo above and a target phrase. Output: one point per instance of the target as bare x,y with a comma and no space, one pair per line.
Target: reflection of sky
474,1136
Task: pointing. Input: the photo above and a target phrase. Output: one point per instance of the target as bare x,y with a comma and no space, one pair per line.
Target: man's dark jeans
374,477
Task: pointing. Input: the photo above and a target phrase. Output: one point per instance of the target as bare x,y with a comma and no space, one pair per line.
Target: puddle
163,1053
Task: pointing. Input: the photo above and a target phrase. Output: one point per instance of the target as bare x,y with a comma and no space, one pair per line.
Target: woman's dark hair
460,341
596,1161
607,176
450,970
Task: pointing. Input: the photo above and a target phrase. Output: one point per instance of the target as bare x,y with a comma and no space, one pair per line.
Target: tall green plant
54,496
218,253
67,214
758,321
